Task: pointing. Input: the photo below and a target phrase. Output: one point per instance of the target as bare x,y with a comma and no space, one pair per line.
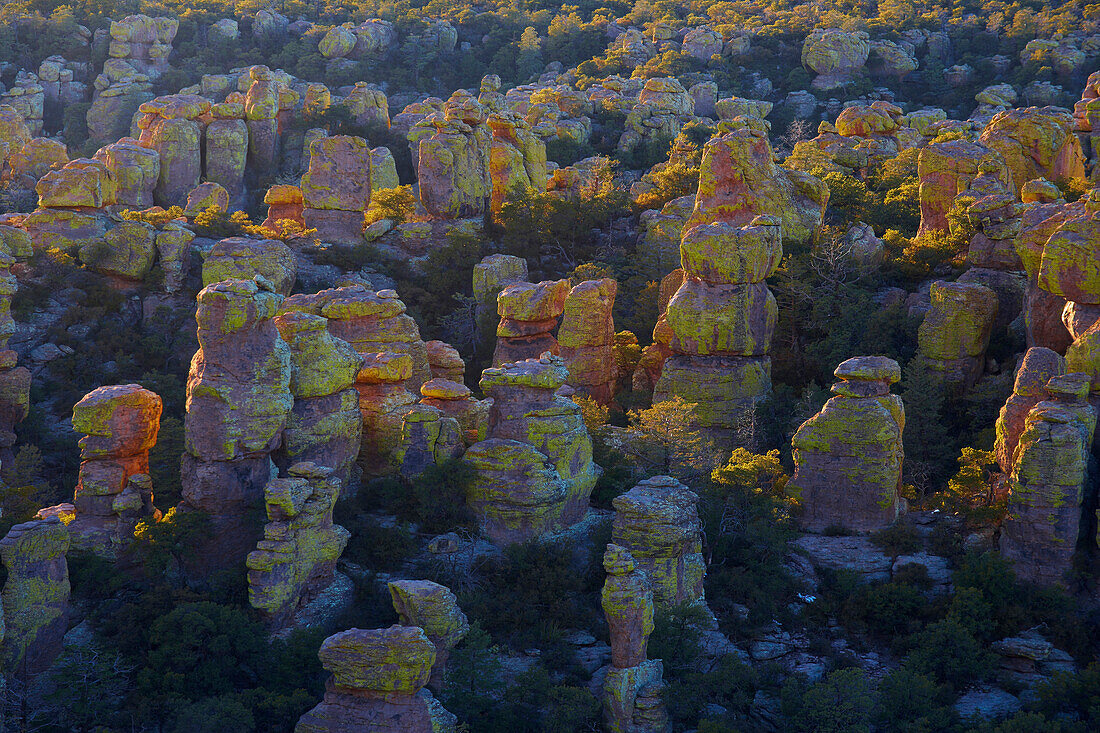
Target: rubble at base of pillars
535,471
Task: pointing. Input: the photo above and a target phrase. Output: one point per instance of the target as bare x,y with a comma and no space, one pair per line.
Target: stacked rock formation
119,91
377,684
296,559
1038,367
492,275
171,125
226,148
947,169
337,187
657,521
261,111
284,202
1036,142
15,381
28,98
721,321
1049,481
535,471
143,42
242,258
835,56
954,335
1086,113
135,170
384,400
848,457
632,688
238,401
113,490
433,608
528,314
662,107
36,594
992,254
587,339
325,426
369,38
445,361
456,400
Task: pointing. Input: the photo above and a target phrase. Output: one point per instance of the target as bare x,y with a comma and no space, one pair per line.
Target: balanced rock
528,314
657,521
834,55
848,457
243,258
296,559
433,608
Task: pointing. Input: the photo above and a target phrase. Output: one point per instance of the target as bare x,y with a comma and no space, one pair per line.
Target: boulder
35,596
243,258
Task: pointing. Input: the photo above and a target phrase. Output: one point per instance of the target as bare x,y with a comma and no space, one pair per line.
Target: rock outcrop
142,42
433,608
587,339
296,559
954,335
15,381
35,596
1036,142
337,187
848,457
429,437
1038,367
172,126
528,314
1050,479
113,490
377,684
324,426
835,56
632,689
535,471
243,258
135,170
657,521
947,169
238,401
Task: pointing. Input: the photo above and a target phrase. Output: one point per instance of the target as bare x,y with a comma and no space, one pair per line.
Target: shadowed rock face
35,595
1050,476
1037,368
658,523
377,682
15,381
238,400
587,339
535,472
848,457
336,189
955,333
297,556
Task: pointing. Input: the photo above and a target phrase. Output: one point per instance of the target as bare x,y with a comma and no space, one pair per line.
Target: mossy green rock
394,660
517,494
243,258
35,596
320,363
722,320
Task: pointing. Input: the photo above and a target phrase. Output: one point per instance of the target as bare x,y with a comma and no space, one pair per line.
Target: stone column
528,314
587,339
35,596
954,335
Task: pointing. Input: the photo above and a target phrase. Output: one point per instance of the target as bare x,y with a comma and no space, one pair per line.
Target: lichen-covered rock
658,523
954,335
243,258
1038,367
283,202
526,408
445,361
723,389
37,157
433,608
455,399
14,133
206,196
528,313
633,699
134,169
170,126
848,457
945,170
296,559
64,229
127,250
491,276
834,55
627,601
337,187
35,595
1036,142
429,437
376,684
383,169
144,42
173,254
368,105
587,338
453,161
1050,473
83,183
1069,266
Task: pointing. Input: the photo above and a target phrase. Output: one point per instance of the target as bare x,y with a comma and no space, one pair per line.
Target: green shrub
842,702
899,539
949,654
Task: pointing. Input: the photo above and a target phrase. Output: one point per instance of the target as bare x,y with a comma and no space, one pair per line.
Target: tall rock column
954,335
492,275
848,457
528,314
261,108
15,381
171,125
324,426
1038,367
587,339
238,401
1050,478
113,491
632,688
36,594
657,521
296,559
535,471
721,322
336,189
377,684
226,147
135,170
